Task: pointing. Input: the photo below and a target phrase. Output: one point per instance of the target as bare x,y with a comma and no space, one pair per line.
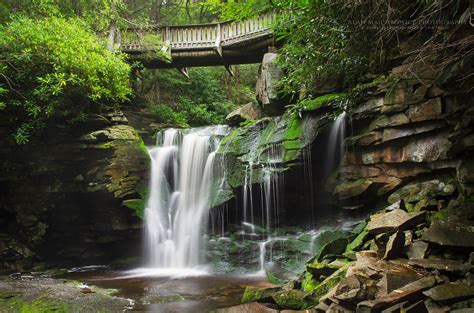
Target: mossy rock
294,299
313,104
319,270
329,283
330,242
358,242
252,294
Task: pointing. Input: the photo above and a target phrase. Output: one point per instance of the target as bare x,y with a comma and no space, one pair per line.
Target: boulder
417,249
450,292
392,221
395,245
267,92
442,265
450,233
409,292
247,112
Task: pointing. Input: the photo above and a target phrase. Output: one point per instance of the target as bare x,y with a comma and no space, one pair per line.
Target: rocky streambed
399,262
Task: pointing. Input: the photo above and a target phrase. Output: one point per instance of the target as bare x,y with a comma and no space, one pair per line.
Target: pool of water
159,293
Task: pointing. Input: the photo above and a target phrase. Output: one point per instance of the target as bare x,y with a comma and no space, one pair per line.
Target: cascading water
335,147
181,181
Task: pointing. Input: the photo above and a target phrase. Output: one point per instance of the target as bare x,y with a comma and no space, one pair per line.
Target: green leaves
44,60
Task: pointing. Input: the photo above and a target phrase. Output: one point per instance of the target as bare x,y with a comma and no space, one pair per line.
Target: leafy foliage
49,59
205,99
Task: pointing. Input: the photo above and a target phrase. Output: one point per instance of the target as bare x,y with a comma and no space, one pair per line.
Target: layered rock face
67,196
411,140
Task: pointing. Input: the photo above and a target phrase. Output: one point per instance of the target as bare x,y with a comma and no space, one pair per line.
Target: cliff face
411,140
67,195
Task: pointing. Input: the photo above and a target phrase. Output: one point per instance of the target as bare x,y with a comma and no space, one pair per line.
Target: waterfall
335,147
181,180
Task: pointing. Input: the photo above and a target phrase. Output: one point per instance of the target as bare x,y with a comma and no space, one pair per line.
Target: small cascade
262,257
181,181
335,147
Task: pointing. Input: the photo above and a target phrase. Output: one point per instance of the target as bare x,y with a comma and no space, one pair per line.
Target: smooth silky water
176,276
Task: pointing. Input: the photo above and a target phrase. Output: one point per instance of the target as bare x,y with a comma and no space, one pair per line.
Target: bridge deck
226,43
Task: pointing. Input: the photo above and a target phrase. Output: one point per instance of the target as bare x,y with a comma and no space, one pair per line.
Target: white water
177,210
335,147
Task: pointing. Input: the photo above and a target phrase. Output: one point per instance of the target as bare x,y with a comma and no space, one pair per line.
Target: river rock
450,292
450,233
249,111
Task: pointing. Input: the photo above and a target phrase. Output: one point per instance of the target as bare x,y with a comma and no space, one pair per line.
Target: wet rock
253,307
249,111
395,246
450,292
450,233
393,221
410,292
442,265
417,250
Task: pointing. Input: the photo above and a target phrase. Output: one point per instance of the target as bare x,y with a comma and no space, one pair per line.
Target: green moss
294,299
42,304
328,284
309,283
358,242
312,104
294,128
319,270
252,294
441,215
378,81
138,205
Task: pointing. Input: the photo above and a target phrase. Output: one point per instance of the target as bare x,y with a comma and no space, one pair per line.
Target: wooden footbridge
225,43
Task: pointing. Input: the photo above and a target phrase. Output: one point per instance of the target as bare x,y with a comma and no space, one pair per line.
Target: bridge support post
230,70
184,71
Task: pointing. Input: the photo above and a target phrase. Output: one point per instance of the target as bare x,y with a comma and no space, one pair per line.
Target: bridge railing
205,36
